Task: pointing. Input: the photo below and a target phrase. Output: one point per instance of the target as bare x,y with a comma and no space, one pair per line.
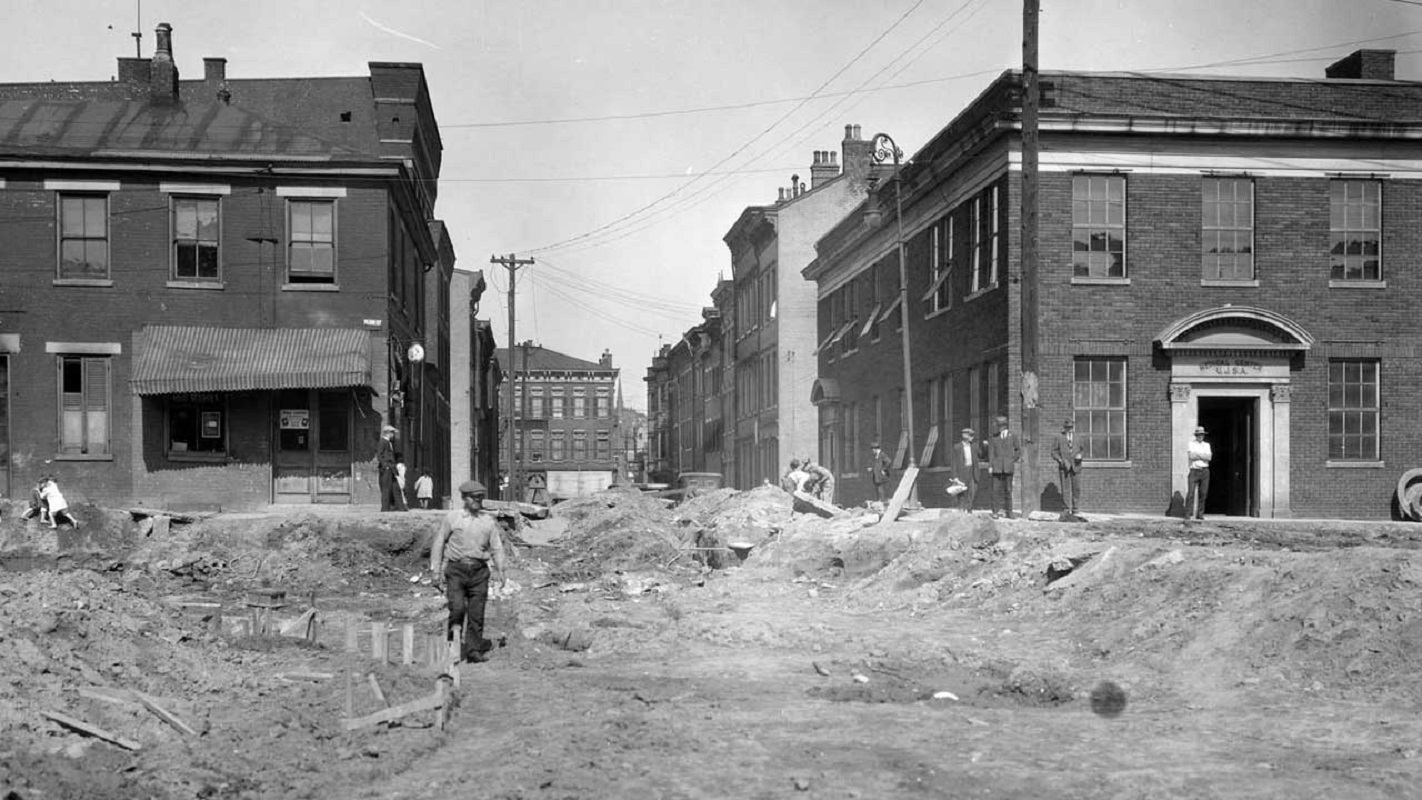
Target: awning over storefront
171,359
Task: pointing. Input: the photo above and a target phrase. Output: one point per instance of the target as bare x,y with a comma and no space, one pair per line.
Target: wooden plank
896,504
407,651
426,703
122,697
808,503
376,690
379,642
163,713
95,731
302,675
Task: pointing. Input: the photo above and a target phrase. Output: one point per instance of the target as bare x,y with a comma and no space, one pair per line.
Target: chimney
858,154
1368,65
162,72
794,186
214,79
606,360
826,166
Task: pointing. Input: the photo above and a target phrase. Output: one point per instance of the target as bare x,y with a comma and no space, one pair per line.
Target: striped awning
172,359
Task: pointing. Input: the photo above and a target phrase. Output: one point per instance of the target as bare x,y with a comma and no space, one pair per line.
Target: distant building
475,378
216,291
1233,253
769,322
689,400
565,420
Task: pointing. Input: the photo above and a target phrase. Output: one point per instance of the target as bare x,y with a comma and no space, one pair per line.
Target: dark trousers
389,491
1070,485
467,591
1199,483
1002,493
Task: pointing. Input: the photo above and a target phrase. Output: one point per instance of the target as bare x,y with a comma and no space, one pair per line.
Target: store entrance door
312,433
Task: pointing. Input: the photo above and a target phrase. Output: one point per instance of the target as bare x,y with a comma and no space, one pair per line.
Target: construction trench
728,646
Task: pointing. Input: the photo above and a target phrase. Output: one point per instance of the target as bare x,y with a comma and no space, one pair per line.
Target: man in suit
878,470
965,468
385,467
1004,450
1066,451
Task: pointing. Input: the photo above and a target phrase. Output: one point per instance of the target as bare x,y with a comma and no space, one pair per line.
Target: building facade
216,291
565,421
1237,254
772,320
475,377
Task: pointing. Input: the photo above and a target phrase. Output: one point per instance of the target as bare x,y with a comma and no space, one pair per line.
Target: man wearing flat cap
385,467
467,540
965,468
1067,452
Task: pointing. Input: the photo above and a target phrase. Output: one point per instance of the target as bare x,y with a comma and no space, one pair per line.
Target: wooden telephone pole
1031,146
512,263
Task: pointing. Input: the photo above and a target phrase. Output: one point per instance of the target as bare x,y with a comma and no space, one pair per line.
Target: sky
616,141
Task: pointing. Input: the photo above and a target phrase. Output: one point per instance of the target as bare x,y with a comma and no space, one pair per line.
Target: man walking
1067,452
965,468
878,469
1199,454
467,540
1004,450
385,467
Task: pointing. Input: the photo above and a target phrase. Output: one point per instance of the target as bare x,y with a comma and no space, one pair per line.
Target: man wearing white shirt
1199,455
965,468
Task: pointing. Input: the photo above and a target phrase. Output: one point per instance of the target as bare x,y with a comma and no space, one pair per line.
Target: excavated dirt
940,656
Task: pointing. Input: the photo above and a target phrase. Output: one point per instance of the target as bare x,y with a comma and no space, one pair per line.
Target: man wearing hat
1067,452
385,466
878,470
965,468
1004,450
1199,454
467,540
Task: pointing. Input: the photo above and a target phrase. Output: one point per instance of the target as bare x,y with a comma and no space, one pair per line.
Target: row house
217,291
565,421
771,325
1240,254
475,380
688,400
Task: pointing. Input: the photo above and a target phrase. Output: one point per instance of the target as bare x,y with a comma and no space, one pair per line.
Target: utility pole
512,263
1031,145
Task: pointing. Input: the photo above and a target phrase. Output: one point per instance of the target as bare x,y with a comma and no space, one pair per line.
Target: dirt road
949,657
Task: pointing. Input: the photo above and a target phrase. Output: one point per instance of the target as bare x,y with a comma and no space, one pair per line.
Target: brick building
771,324
475,378
689,399
1238,253
216,291
565,420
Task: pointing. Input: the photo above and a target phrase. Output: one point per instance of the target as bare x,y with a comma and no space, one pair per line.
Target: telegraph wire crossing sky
616,143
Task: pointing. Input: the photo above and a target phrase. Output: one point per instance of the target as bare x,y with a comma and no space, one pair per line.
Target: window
518,401
196,426
977,412
1353,410
941,263
1098,226
84,405
556,447
985,208
535,402
604,403
535,445
580,445
1099,407
556,398
1228,229
333,409
940,421
580,402
195,234
1355,230
84,236
604,445
311,248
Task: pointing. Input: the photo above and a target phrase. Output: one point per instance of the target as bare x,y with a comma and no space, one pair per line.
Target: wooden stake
90,730
350,694
407,655
352,640
163,713
376,690
379,644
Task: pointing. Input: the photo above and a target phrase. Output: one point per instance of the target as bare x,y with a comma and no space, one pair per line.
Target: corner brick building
216,291
1237,253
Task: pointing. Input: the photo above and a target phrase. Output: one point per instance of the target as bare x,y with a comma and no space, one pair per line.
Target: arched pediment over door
824,392
1234,328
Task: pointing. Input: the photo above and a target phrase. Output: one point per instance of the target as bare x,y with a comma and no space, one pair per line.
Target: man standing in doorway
965,468
467,540
1004,450
879,464
385,467
1066,450
1199,454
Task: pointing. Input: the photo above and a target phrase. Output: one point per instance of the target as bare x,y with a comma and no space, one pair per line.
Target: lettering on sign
1232,366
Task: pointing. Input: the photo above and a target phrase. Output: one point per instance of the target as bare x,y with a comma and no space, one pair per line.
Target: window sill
84,457
203,458
1109,464
102,283
938,313
1076,280
212,286
310,287
1354,465
979,293
1250,284
1357,284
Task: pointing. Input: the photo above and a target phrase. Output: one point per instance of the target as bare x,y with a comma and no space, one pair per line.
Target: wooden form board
896,504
